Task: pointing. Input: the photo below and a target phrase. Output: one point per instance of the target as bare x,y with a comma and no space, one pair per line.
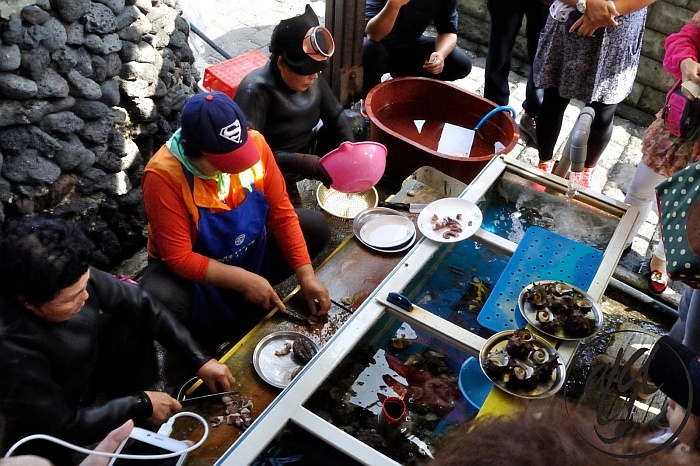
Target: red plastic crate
227,75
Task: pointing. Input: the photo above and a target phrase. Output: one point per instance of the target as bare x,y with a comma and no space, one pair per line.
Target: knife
296,315
204,397
412,208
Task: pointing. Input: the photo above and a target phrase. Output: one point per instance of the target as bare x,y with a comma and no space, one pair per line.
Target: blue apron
235,237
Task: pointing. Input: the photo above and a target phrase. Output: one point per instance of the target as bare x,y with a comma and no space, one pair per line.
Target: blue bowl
473,383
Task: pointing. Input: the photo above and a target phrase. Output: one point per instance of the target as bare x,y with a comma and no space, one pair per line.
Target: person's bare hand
216,376
696,19
601,13
258,291
583,27
164,406
109,445
690,70
316,295
435,64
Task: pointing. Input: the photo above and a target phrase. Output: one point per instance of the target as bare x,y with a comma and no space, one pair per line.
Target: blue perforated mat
541,255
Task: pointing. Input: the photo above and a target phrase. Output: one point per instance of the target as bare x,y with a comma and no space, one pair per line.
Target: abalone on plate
560,310
523,365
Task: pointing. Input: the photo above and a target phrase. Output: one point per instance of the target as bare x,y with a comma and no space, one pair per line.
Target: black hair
190,151
39,257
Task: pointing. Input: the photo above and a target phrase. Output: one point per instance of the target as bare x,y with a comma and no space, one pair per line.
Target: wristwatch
581,6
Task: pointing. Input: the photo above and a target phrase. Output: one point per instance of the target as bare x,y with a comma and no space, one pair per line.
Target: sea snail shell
545,316
539,356
523,371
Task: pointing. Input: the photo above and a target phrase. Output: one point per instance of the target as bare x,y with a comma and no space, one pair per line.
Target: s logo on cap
232,132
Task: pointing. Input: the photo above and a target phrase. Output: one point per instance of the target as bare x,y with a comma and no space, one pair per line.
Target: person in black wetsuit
295,109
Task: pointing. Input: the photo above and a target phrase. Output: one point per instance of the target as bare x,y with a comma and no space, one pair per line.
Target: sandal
658,281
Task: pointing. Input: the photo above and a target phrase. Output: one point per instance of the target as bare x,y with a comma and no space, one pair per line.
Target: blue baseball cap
212,123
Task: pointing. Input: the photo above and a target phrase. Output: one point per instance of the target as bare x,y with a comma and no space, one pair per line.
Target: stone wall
652,83
87,90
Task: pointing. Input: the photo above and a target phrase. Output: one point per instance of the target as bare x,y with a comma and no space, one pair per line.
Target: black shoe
660,421
528,125
627,250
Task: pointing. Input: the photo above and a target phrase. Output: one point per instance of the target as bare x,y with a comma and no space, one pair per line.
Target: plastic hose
492,113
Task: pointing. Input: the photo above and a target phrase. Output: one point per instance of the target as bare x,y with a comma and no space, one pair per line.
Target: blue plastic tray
541,255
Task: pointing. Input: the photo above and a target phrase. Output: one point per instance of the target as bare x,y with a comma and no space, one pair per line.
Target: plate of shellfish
560,310
280,356
522,364
449,220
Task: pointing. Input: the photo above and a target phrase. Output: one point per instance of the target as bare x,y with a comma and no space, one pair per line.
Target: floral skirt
590,69
665,153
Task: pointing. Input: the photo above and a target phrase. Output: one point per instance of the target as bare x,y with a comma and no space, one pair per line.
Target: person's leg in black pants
601,131
409,60
536,16
375,64
506,18
549,122
317,235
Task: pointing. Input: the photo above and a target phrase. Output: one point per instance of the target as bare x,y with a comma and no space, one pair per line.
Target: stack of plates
384,229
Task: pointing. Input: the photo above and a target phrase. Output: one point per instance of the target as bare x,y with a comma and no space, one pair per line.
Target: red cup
393,410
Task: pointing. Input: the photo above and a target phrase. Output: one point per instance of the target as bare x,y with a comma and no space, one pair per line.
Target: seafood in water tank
400,342
431,383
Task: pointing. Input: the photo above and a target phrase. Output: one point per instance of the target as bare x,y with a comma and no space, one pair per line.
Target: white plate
471,218
276,370
387,231
399,248
371,214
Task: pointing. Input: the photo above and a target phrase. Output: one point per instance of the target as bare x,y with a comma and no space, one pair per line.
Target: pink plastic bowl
355,166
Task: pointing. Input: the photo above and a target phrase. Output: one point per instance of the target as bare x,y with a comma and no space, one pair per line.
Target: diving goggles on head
318,43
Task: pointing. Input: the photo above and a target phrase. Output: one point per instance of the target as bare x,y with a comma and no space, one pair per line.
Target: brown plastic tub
393,105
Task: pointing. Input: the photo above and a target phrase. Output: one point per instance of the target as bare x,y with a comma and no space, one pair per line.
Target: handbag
681,114
679,214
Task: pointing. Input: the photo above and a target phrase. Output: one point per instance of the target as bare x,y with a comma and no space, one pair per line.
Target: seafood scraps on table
522,364
236,413
285,349
452,226
302,349
560,308
431,383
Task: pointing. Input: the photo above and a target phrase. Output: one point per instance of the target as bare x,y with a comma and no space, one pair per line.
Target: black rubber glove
309,166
